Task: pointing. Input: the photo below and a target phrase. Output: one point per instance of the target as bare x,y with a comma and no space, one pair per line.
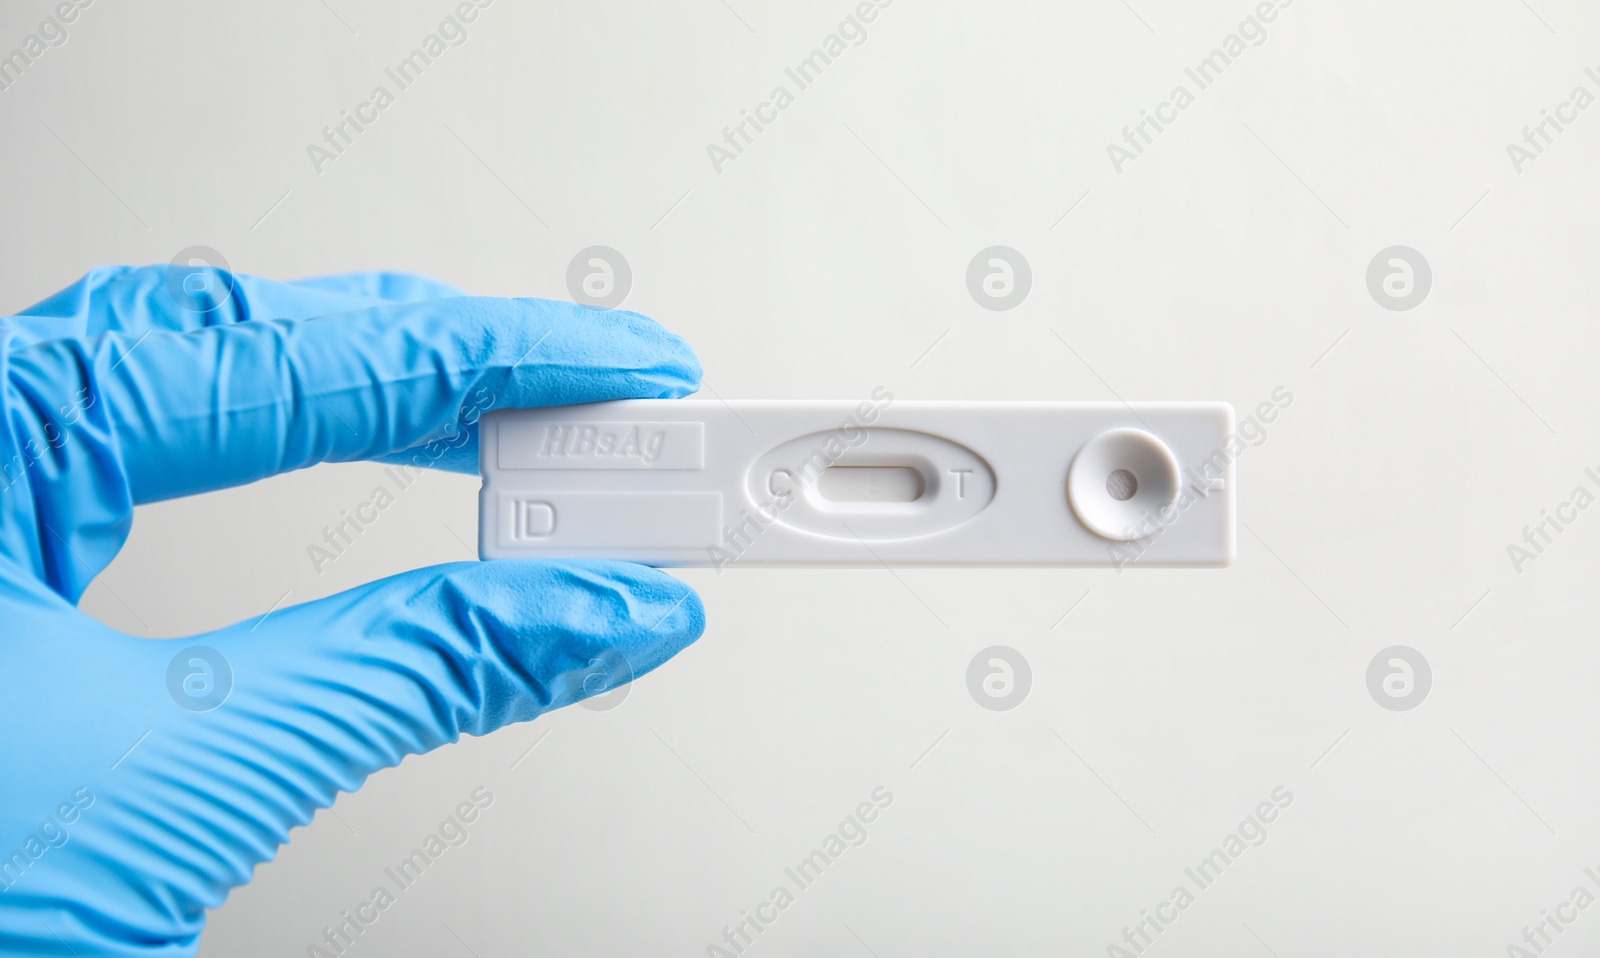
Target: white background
1230,259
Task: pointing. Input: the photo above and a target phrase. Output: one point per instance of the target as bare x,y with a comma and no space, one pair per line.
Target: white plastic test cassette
702,482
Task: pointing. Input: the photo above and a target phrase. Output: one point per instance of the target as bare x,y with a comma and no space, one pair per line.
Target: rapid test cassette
698,482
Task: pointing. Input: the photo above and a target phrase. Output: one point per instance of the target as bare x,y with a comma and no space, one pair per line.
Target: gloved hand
126,813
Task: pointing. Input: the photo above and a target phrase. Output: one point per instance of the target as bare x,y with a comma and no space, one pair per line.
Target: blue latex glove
124,812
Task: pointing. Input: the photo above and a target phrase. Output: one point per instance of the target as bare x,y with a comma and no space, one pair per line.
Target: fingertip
691,372
682,614
652,615
663,617
656,604
637,356
679,360
580,627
